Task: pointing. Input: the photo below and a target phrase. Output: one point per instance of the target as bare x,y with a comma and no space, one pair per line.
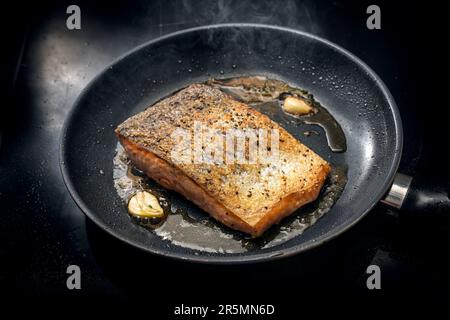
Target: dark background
44,68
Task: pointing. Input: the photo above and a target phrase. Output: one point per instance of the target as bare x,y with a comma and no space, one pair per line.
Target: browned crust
246,197
174,179
250,191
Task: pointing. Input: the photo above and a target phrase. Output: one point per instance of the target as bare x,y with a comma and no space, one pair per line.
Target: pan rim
241,258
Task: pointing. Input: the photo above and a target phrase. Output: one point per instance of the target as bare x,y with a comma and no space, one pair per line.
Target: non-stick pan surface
352,92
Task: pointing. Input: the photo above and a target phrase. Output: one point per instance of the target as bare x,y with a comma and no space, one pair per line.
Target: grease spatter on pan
186,225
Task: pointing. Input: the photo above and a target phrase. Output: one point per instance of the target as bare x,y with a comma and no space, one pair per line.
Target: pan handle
418,195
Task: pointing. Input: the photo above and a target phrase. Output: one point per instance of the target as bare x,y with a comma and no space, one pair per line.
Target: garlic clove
144,204
296,106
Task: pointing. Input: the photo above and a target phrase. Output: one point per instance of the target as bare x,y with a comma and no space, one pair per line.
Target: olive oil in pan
260,91
186,225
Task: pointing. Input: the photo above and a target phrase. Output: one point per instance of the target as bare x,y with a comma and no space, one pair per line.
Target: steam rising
299,15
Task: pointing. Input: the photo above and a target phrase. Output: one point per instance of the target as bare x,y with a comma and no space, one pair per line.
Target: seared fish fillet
249,197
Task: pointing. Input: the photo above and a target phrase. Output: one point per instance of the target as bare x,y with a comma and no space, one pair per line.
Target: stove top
42,231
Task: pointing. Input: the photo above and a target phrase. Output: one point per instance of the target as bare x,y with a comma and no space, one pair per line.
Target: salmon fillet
249,197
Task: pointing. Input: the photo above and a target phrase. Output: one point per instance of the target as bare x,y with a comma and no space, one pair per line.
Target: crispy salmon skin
246,196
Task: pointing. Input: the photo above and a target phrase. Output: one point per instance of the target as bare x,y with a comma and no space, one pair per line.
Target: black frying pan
352,92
